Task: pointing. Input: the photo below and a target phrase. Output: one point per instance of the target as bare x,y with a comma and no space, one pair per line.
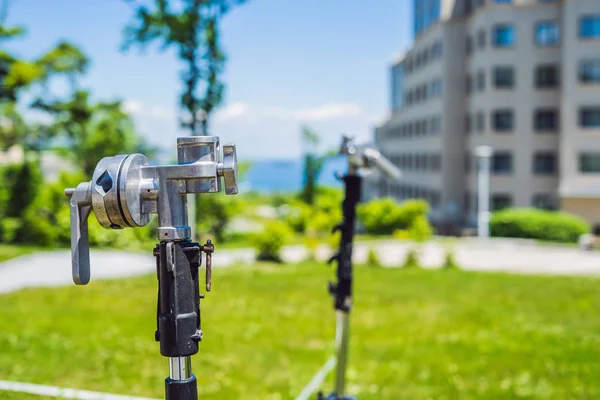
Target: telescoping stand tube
124,191
360,159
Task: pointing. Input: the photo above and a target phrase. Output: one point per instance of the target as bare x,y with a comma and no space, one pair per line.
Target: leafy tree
93,130
192,28
313,164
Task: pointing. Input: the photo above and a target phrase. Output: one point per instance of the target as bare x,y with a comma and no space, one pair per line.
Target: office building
521,76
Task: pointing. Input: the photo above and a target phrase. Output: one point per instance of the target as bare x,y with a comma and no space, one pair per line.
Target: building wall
465,31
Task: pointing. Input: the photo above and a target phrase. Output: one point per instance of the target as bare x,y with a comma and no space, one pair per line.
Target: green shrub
384,216
271,240
412,258
538,224
8,229
449,260
373,258
420,230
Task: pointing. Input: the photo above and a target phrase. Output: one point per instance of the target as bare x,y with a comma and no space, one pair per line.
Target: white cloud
327,111
231,111
259,132
132,107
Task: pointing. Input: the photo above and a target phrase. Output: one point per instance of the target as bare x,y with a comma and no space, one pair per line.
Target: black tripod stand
124,191
178,311
342,289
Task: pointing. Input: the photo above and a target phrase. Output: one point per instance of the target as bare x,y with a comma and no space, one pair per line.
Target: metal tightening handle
80,206
228,169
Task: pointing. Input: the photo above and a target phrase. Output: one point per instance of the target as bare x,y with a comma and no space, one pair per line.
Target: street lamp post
484,154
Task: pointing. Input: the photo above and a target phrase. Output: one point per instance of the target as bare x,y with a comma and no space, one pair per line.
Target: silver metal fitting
365,158
126,190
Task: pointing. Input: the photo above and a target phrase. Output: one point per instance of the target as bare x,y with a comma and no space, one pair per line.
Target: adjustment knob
228,169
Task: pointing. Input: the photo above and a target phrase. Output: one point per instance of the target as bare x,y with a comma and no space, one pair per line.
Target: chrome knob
228,169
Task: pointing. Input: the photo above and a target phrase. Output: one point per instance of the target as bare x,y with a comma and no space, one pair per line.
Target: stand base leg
181,390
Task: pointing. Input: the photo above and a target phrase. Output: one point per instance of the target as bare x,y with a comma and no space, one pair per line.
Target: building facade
522,76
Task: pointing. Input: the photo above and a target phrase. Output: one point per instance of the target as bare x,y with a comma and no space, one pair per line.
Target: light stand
361,159
124,191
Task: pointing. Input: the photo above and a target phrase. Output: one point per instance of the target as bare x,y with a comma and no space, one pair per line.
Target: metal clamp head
125,191
366,157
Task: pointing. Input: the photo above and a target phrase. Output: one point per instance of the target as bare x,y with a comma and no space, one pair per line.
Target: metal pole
484,154
342,335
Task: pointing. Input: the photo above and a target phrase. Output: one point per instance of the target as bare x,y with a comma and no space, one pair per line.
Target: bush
412,258
420,230
538,224
384,216
449,260
373,258
269,243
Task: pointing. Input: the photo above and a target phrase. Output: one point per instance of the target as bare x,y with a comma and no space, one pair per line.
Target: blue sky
290,62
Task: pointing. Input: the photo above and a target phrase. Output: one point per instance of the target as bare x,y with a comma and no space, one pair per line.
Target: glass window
502,163
467,162
589,26
504,35
589,71
544,163
468,84
547,33
468,123
504,77
546,120
481,39
546,76
589,117
480,121
481,81
544,201
503,120
589,163
469,45
501,201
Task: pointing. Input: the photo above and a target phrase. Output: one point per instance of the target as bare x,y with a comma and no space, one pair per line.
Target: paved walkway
53,268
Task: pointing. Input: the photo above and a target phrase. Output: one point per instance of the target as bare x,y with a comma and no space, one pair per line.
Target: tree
193,29
93,130
313,164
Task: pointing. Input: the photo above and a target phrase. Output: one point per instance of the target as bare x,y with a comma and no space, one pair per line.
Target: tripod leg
341,348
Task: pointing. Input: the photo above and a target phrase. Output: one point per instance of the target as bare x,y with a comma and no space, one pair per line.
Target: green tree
313,164
192,27
93,130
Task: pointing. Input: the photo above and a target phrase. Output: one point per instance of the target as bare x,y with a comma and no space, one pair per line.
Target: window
503,120
437,50
481,81
468,84
469,45
435,125
468,124
502,163
546,76
481,39
544,163
547,33
504,77
504,35
503,1
467,162
480,122
589,163
501,201
546,120
544,201
589,117
589,26
589,71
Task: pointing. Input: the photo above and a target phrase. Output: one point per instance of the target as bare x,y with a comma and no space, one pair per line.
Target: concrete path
516,256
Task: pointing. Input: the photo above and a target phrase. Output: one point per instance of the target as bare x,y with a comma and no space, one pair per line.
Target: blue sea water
286,175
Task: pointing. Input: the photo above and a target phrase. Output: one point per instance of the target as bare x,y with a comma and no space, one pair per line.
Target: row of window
499,201
546,33
543,163
547,76
545,120
417,162
423,92
415,192
423,57
417,128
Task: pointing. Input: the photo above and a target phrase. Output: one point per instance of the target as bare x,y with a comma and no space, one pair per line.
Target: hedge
538,224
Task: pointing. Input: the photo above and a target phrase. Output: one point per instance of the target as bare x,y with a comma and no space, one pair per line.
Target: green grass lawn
415,335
